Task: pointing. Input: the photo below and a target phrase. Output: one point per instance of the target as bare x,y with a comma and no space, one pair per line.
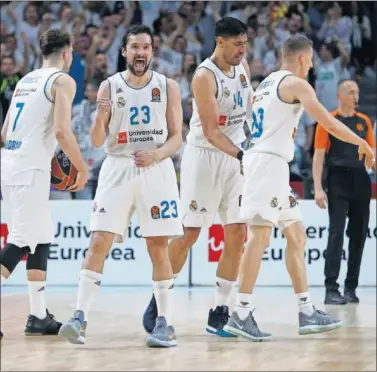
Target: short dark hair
294,44
53,41
137,30
230,27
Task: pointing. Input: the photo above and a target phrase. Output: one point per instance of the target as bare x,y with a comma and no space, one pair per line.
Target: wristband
240,155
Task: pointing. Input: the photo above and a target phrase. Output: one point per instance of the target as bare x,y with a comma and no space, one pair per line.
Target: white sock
89,283
243,305
175,276
223,292
163,293
305,303
3,280
37,297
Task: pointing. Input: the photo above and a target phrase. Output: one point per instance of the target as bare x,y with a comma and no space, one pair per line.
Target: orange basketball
63,173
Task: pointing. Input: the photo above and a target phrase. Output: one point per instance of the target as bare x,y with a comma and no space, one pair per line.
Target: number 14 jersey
138,116
274,122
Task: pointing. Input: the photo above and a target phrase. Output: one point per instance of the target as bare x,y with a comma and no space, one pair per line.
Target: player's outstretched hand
366,150
321,199
81,180
144,158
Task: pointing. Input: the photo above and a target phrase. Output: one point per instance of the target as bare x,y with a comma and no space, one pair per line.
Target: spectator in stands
328,70
336,26
82,120
348,194
8,81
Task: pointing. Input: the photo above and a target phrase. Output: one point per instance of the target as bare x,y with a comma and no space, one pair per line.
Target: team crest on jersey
226,92
121,102
274,202
156,95
155,212
360,127
193,205
243,81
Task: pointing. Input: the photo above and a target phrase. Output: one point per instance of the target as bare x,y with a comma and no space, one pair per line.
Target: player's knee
11,255
296,236
38,260
190,236
158,249
260,238
235,236
100,245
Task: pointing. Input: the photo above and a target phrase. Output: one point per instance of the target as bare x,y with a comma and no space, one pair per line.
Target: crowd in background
342,33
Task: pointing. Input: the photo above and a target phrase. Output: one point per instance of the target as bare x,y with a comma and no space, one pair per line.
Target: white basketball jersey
274,122
30,138
232,96
138,116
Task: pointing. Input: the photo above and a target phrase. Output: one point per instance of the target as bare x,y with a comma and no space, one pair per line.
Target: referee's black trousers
349,194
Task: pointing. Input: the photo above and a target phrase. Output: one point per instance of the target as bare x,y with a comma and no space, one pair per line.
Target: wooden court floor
115,337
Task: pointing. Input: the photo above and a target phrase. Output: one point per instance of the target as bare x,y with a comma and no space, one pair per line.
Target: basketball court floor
115,337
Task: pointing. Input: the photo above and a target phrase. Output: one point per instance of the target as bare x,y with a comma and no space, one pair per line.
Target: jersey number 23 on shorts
167,209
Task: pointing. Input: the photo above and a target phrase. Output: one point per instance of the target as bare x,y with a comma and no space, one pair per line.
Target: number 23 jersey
138,116
274,122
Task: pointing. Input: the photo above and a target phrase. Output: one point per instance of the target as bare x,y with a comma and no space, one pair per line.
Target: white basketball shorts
152,192
267,197
26,197
211,183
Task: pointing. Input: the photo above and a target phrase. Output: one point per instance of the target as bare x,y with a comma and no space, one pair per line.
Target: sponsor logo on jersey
119,90
222,120
155,212
121,102
24,92
12,145
156,95
226,92
243,81
122,137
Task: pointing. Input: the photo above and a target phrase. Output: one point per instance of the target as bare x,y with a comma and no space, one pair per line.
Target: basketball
63,173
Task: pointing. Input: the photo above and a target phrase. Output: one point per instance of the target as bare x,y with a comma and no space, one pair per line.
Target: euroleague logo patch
156,95
155,212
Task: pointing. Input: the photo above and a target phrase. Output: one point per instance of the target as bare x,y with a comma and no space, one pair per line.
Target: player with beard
139,118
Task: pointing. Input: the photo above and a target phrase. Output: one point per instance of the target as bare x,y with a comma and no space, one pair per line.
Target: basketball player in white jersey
144,127
267,200
211,179
38,118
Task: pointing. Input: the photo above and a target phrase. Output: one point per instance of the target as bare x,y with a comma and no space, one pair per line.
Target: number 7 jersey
138,116
274,122
30,138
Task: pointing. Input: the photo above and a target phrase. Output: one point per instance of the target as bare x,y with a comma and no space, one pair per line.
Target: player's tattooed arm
63,92
101,121
204,91
293,88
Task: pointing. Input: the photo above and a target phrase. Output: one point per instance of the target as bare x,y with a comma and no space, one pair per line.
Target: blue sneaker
150,315
162,335
74,330
217,319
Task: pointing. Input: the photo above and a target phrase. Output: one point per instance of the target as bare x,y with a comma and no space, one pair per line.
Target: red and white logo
222,120
122,137
4,237
215,243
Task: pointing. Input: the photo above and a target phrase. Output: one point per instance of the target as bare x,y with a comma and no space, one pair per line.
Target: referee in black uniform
349,193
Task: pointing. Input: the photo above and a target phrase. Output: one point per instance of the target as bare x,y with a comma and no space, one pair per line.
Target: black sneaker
334,298
41,327
217,319
350,296
150,315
